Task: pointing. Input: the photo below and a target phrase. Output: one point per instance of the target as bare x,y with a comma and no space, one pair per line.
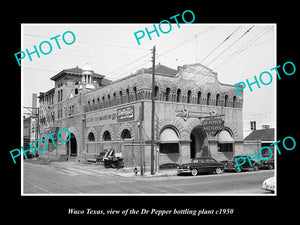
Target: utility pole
142,155
153,111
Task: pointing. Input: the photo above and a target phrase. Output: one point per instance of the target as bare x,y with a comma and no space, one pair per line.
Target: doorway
72,146
199,143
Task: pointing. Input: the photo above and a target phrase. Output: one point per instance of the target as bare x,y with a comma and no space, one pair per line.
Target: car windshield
194,161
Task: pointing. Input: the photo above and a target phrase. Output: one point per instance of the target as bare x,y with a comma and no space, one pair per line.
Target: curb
147,175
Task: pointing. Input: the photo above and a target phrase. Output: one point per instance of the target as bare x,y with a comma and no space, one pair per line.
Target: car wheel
194,172
236,169
255,167
270,167
218,170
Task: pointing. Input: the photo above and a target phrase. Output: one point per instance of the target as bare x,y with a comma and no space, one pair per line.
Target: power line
220,44
230,45
183,84
124,74
176,46
128,64
243,48
92,43
189,39
27,68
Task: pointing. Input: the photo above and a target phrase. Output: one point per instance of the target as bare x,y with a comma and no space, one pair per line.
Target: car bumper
268,188
229,168
182,171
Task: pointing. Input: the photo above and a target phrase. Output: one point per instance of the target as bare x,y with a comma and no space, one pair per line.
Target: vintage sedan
230,165
266,164
269,184
201,165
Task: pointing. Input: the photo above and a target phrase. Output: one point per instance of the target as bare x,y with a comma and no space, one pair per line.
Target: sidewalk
128,172
97,168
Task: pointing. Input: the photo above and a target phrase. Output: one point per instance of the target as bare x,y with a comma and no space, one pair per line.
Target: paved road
55,179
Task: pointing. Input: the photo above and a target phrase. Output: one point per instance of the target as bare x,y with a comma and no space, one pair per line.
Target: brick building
101,114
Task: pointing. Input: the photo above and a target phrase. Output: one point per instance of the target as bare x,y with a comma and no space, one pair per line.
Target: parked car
266,164
201,165
230,165
269,184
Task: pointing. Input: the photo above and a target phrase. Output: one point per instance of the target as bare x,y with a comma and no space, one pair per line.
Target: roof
263,135
76,71
42,94
162,70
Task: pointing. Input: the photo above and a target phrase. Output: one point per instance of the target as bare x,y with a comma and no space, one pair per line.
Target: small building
258,139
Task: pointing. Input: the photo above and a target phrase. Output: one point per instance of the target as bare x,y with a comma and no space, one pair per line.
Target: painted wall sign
125,114
111,116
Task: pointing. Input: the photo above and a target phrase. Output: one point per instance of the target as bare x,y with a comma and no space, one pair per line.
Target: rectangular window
58,96
226,147
253,125
169,148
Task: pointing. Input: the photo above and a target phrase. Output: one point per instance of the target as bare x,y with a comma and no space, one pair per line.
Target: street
66,179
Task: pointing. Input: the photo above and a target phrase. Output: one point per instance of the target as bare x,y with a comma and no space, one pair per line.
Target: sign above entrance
212,125
185,114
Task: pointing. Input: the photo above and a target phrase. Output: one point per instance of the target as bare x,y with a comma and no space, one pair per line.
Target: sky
112,50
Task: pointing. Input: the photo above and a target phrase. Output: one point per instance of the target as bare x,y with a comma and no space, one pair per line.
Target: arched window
108,97
189,96
225,141
91,136
234,102
199,97
156,89
127,95
167,94
217,100
178,95
106,136
169,141
126,134
226,101
103,102
208,99
115,98
135,94
121,97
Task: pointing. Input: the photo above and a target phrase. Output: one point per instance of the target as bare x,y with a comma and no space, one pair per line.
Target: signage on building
125,114
185,114
110,116
212,125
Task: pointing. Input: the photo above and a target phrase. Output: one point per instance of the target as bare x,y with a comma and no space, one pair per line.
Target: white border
116,24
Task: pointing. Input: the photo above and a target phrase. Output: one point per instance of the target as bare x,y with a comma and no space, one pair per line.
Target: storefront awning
225,137
168,136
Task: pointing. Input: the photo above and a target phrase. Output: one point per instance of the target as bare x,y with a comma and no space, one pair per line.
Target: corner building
101,114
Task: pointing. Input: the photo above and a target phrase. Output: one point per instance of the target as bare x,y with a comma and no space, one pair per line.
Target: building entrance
199,143
72,146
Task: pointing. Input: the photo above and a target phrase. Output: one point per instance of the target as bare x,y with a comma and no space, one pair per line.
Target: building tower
87,79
